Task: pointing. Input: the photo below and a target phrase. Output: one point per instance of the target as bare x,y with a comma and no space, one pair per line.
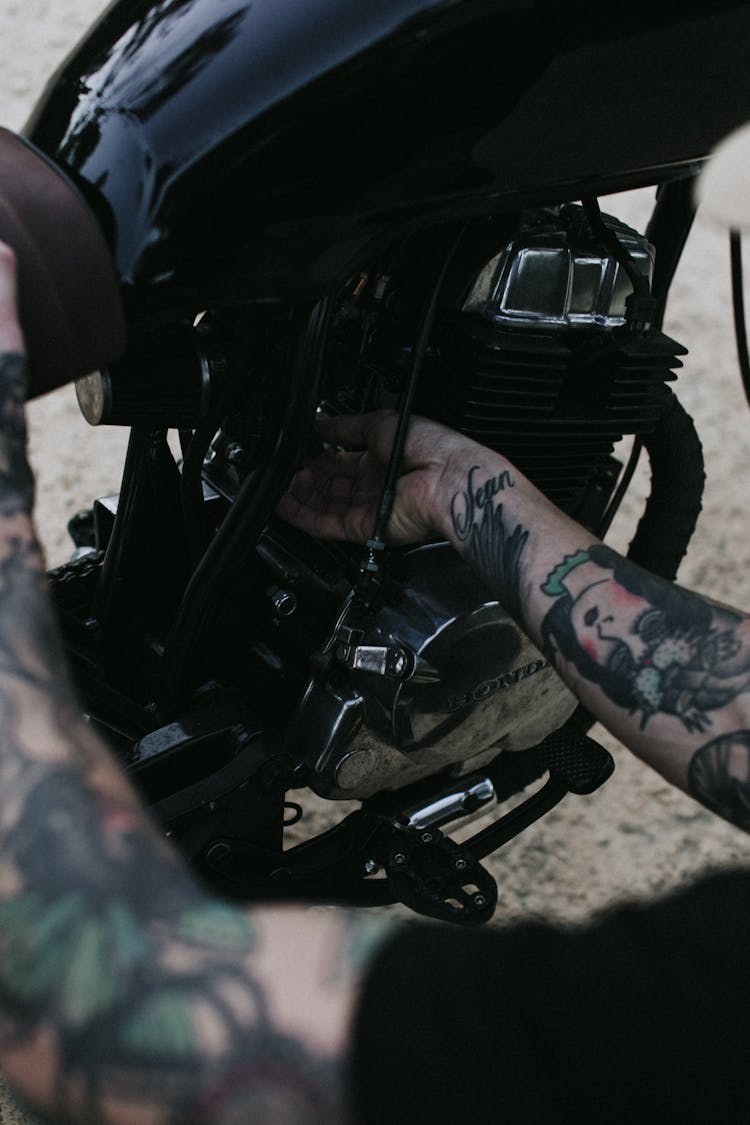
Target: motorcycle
329,207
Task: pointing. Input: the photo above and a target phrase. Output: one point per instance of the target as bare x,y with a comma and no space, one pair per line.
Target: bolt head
399,858
426,837
460,864
284,602
480,901
234,453
220,856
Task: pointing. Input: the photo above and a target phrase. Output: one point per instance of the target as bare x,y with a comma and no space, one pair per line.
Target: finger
340,463
358,431
337,475
334,521
309,489
334,497
11,337
316,492
298,513
355,492
316,482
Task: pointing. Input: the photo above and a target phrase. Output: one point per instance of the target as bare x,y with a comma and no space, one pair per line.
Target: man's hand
335,495
11,338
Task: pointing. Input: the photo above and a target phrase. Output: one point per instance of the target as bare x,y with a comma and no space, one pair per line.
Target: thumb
11,337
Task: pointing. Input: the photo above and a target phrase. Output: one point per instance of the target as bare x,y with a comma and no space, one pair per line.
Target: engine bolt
460,864
399,859
220,856
426,837
234,453
284,602
480,901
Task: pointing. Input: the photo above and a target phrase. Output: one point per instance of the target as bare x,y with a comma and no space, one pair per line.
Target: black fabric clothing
639,1018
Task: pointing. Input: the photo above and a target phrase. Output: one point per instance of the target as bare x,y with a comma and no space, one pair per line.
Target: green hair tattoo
554,585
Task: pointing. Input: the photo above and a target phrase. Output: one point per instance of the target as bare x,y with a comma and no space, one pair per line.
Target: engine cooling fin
555,408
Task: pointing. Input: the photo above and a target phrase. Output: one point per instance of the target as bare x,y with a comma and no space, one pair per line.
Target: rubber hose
677,478
672,509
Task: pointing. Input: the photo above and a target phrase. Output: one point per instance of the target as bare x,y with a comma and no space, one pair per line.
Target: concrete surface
636,837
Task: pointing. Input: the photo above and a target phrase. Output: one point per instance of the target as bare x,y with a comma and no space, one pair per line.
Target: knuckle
7,255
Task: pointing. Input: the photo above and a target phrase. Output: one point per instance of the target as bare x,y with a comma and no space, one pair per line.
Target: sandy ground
637,837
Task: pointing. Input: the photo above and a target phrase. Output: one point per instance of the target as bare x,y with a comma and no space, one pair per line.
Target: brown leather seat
70,304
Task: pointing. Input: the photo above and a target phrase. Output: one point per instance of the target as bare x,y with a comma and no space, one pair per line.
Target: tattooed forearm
651,647
470,502
658,664
153,992
493,549
16,480
126,993
719,777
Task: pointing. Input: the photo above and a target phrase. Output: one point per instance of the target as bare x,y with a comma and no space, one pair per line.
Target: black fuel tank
239,148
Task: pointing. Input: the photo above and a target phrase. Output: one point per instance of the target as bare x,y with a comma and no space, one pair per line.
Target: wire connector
371,563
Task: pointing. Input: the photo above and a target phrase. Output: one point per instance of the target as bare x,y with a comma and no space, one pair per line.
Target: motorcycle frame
228,216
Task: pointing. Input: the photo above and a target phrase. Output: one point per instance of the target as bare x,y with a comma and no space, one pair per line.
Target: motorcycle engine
531,357
436,678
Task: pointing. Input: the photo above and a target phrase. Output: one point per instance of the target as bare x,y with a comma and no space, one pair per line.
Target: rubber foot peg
579,762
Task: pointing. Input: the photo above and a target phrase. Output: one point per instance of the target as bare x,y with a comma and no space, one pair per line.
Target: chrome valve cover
553,275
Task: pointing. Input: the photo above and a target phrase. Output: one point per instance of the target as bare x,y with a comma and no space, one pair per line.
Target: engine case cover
478,686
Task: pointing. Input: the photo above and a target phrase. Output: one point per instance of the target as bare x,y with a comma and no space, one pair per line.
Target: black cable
738,299
622,487
193,507
226,554
641,307
376,542
185,439
612,243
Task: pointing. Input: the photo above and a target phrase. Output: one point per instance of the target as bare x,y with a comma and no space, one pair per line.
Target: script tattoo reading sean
494,551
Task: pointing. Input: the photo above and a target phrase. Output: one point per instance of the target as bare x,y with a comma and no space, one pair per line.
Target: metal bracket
383,660
434,876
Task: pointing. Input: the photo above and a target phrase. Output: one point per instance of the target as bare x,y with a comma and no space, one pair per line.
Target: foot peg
437,877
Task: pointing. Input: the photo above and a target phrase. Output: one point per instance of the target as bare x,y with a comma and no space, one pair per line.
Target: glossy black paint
241,148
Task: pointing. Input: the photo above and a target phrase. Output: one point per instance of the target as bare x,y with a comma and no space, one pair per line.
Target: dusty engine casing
532,358
440,682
